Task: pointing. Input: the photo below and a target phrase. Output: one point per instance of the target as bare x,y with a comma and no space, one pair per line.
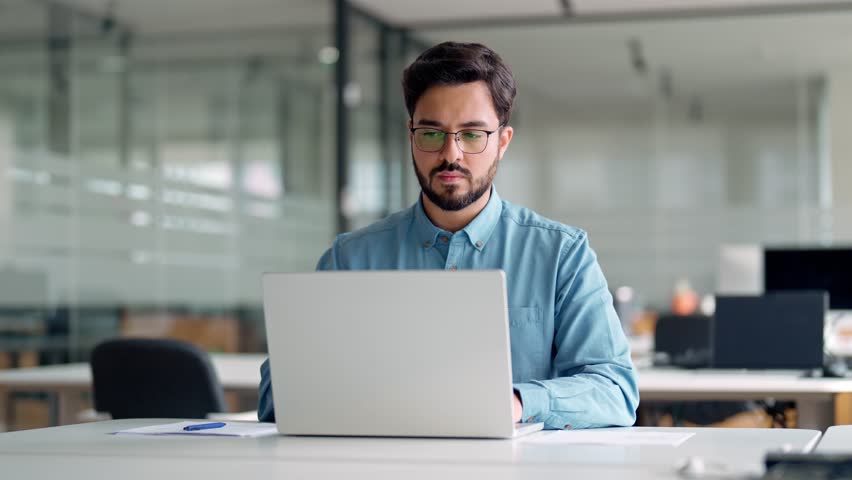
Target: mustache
449,167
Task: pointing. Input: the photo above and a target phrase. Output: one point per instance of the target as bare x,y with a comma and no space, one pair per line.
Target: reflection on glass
147,181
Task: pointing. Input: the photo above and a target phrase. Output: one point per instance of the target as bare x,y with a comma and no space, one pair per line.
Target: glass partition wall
379,157
151,169
147,180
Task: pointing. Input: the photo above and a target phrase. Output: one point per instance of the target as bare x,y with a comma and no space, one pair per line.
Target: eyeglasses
469,140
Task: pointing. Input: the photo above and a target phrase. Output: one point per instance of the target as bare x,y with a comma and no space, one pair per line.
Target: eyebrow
434,123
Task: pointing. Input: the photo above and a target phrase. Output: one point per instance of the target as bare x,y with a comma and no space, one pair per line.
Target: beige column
839,112
835,158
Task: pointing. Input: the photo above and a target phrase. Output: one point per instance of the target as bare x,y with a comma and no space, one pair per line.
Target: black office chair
154,378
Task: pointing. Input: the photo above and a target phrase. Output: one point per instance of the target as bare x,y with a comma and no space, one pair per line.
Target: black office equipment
154,378
828,269
807,466
682,341
780,330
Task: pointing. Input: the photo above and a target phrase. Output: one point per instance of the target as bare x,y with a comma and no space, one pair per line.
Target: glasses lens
473,141
429,140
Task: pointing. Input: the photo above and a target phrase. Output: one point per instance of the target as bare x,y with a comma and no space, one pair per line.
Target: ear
410,124
505,138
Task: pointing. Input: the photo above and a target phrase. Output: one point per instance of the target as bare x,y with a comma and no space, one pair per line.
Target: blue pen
204,426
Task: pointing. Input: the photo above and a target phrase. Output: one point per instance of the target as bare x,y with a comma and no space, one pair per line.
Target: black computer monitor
781,330
828,269
683,341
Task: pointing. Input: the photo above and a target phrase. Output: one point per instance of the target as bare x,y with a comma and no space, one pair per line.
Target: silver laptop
391,353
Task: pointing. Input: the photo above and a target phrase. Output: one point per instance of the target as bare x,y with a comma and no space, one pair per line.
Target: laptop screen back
390,353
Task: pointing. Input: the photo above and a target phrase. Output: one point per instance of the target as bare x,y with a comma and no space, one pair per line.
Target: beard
451,199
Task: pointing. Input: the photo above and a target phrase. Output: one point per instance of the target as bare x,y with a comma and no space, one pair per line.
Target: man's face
451,178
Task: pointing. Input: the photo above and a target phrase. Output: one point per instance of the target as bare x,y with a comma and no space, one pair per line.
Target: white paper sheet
231,429
611,437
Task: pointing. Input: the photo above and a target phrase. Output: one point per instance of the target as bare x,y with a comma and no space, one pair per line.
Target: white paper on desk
611,437
231,429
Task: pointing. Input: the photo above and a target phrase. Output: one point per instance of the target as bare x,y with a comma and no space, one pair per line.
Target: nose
451,151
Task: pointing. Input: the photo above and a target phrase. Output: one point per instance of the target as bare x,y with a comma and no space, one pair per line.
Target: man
571,363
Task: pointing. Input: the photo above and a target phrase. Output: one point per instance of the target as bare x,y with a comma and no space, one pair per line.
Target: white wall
659,194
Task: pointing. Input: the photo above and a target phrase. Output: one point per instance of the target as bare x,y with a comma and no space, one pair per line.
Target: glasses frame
455,135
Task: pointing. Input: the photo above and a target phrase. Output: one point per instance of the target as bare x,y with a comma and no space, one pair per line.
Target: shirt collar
478,231
424,229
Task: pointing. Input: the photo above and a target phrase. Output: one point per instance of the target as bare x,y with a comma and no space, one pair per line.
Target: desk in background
818,400
72,382
86,451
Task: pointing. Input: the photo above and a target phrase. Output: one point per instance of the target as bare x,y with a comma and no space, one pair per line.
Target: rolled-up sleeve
595,382
265,406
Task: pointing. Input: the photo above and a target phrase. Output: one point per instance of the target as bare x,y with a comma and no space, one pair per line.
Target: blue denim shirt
570,360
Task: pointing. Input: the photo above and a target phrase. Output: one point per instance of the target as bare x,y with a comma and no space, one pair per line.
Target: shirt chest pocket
526,335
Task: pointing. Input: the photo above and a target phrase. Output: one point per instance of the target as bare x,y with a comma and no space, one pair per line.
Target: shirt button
567,427
445,239
479,244
426,244
454,268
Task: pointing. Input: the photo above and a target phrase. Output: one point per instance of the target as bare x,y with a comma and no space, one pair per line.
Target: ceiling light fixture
637,57
328,55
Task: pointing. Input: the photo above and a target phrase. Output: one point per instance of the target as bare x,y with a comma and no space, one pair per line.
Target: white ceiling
598,7
741,59
28,18
188,16
413,12
747,59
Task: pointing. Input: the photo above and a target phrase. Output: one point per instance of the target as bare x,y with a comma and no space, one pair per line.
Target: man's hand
517,408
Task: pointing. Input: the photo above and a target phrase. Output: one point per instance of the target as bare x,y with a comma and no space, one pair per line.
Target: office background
157,156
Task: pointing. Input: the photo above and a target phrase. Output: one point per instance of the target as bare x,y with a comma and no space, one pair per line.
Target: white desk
837,439
241,373
237,373
87,451
814,397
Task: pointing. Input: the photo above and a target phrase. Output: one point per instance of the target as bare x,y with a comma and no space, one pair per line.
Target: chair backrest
154,378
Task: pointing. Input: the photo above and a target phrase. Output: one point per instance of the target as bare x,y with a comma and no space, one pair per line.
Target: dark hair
452,63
